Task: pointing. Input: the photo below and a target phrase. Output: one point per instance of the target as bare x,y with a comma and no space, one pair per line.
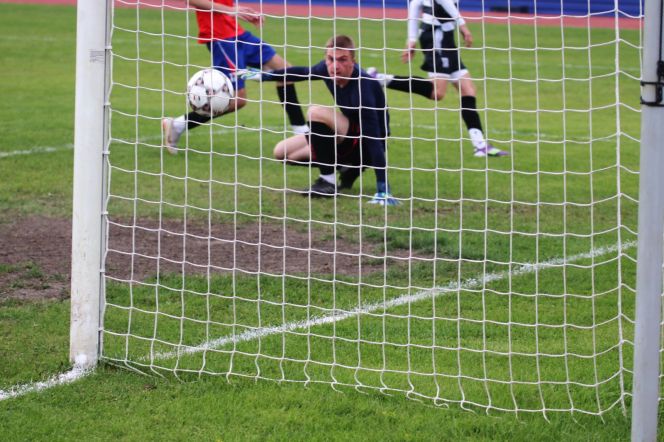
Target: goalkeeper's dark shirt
361,100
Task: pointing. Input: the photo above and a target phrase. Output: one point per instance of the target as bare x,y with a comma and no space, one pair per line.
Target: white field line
471,283
60,379
34,150
37,38
277,129
48,149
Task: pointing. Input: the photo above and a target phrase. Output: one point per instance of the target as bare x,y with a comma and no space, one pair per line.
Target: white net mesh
499,283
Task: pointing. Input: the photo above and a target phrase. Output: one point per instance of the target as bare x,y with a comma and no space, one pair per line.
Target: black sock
194,120
469,113
416,85
288,97
323,144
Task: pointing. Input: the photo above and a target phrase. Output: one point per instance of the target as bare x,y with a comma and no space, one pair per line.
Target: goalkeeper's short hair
341,42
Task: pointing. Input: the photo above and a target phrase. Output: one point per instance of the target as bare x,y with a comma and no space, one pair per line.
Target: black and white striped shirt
434,13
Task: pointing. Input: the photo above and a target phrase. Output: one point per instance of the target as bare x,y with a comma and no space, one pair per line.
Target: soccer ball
209,92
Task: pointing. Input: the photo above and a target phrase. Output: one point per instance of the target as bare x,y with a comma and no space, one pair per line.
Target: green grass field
564,199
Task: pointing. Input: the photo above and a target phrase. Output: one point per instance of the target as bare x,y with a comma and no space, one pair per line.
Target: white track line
60,379
471,283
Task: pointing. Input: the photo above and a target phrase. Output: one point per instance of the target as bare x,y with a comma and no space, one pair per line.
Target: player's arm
466,34
288,74
414,12
247,14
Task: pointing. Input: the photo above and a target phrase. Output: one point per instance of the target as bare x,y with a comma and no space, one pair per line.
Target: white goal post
648,321
500,284
90,147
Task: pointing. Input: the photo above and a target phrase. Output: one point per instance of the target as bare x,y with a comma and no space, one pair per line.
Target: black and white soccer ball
209,92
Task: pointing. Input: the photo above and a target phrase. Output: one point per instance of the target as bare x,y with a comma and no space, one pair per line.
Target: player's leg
351,167
439,88
328,128
464,84
433,89
295,150
264,56
227,56
466,88
448,65
173,128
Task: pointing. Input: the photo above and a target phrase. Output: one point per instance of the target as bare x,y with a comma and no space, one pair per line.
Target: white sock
179,124
331,178
477,138
384,79
303,129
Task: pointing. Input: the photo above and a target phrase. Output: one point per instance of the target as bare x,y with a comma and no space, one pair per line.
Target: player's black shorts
348,151
441,55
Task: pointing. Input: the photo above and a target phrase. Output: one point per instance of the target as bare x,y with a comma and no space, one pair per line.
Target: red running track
280,10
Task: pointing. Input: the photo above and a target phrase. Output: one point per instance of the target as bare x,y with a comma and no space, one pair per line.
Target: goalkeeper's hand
384,199
249,74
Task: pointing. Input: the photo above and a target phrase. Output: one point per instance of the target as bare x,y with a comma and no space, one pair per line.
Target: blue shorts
238,53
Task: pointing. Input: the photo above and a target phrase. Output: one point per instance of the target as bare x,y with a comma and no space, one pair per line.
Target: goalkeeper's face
340,63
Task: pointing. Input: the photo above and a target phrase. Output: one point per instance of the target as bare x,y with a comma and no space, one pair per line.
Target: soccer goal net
499,283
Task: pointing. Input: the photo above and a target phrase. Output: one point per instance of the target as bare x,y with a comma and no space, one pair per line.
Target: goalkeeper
443,63
353,136
232,49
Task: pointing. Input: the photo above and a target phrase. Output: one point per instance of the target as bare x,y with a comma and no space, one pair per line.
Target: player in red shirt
233,49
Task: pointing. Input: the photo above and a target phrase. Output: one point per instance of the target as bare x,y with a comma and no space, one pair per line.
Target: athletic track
280,10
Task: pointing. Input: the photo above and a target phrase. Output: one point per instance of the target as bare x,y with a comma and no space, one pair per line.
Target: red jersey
217,26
